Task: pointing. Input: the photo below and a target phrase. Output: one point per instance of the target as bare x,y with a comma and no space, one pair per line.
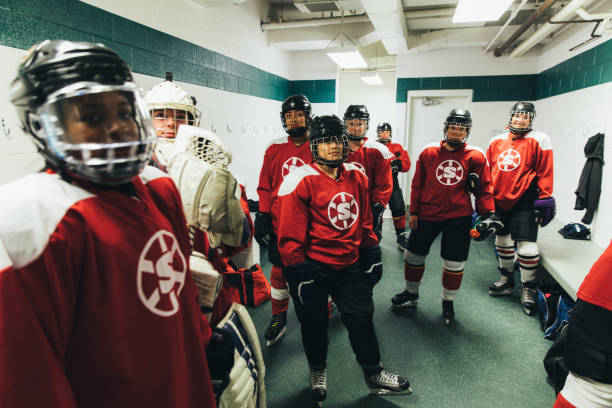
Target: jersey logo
449,172
343,211
291,164
161,274
359,167
509,160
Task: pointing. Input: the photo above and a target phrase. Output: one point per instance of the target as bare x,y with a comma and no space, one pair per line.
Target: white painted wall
232,30
380,100
570,119
312,65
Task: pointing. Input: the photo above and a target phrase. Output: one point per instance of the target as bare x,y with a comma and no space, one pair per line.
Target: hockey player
327,245
440,202
521,163
97,305
170,106
372,158
400,162
282,156
588,349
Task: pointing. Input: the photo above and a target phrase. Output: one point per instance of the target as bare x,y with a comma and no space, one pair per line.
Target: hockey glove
545,210
396,166
220,356
263,229
273,254
471,184
377,213
485,226
371,261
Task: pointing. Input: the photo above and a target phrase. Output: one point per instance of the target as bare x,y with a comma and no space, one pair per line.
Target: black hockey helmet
325,129
458,117
297,103
60,76
525,108
357,112
383,127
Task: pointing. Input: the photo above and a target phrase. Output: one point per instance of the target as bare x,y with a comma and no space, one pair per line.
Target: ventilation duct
322,6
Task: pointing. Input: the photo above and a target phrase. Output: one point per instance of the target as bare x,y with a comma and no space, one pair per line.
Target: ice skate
529,298
504,285
385,383
318,385
448,311
405,300
276,329
402,241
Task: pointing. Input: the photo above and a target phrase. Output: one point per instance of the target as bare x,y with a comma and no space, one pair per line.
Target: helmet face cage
383,127
166,120
460,122
297,103
340,140
101,133
359,112
526,110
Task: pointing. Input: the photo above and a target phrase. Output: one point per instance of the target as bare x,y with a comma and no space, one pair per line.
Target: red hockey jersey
596,288
324,219
439,183
97,305
373,158
515,164
399,153
281,157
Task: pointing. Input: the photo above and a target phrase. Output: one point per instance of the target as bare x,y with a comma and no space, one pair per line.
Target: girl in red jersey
328,247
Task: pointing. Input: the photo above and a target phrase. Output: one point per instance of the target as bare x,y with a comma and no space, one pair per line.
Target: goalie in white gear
170,107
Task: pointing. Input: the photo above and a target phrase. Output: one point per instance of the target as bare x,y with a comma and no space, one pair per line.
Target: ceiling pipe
536,14
543,31
360,18
512,17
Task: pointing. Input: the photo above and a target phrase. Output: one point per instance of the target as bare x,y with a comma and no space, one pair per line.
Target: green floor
490,356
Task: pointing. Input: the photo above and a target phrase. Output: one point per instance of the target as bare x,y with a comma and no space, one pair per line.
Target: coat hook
5,129
243,129
227,126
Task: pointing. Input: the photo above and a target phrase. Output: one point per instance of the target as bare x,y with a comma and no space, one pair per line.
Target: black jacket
589,186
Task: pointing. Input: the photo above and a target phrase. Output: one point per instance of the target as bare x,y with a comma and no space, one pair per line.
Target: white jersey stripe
373,144
294,178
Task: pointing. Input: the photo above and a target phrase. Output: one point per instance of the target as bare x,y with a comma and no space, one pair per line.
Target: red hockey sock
280,293
413,273
451,280
399,222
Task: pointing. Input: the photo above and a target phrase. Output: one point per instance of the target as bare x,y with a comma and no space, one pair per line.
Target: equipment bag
554,306
252,287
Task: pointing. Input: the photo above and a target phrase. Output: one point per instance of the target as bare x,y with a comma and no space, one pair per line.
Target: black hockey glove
545,210
263,229
396,166
273,254
377,213
485,226
220,357
371,261
472,183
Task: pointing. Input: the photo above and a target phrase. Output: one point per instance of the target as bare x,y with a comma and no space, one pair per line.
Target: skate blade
504,293
403,307
448,321
277,338
529,312
382,391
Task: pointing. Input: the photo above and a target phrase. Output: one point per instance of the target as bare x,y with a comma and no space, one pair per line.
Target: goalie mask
356,121
383,132
296,115
328,141
522,115
170,107
457,127
79,104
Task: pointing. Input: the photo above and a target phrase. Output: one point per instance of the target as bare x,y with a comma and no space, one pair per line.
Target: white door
425,116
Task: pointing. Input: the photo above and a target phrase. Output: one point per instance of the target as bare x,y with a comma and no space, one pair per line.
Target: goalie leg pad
208,281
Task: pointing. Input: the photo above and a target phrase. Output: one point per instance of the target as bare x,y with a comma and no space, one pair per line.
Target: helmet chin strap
297,132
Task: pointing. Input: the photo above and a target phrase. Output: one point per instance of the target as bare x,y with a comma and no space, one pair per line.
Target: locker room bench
567,260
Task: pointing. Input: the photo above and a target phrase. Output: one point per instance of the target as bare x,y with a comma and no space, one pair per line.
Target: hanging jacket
589,186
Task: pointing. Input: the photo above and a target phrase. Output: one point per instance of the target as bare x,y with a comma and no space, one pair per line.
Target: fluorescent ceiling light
348,59
480,10
371,78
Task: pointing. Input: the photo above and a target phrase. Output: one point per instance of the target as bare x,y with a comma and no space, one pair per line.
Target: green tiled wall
592,67
152,52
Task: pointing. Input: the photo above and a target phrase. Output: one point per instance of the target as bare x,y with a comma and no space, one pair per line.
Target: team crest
161,274
449,172
291,164
343,211
359,167
508,160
